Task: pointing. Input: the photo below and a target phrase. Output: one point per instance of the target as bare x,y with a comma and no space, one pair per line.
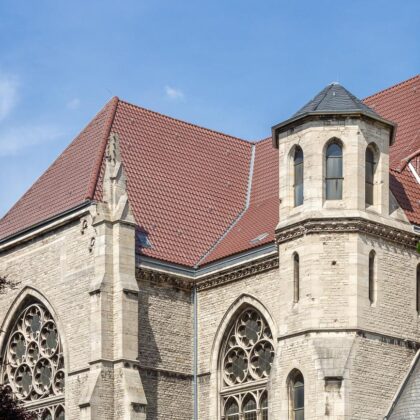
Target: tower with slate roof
338,321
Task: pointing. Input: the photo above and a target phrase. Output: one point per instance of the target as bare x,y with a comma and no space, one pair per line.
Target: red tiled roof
256,226
401,104
185,183
68,182
188,186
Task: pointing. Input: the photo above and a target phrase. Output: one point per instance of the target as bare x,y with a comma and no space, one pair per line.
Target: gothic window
334,172
246,360
298,176
372,277
33,363
297,395
370,175
296,277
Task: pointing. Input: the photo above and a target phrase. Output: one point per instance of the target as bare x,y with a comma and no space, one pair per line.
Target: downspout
195,350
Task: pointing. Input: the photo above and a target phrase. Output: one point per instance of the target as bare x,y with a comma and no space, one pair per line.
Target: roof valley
240,215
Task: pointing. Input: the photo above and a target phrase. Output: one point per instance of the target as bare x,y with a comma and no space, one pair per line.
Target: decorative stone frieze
163,278
250,268
347,225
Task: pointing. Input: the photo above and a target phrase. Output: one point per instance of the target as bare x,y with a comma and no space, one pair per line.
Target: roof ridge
328,88
392,87
186,122
53,163
113,103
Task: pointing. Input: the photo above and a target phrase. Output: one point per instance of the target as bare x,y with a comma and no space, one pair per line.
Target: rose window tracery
247,357
33,363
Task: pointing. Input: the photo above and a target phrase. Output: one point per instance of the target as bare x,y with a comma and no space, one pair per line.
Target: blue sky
234,66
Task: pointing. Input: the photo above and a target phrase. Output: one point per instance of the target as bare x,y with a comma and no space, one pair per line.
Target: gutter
47,224
195,350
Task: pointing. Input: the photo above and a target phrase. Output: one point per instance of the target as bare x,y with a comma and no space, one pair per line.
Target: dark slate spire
334,101
335,98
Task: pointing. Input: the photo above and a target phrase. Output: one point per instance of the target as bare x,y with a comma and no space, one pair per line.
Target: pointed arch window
372,277
33,363
246,359
334,172
297,395
370,163
298,176
296,277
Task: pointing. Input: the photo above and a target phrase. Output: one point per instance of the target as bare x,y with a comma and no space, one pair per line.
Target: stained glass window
247,357
33,362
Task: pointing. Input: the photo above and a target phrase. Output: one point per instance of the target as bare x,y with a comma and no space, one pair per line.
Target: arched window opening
334,172
298,176
264,406
246,359
250,408
370,175
418,289
372,278
232,409
296,278
297,395
33,362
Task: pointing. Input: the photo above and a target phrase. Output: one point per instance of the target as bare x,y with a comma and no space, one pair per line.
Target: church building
171,272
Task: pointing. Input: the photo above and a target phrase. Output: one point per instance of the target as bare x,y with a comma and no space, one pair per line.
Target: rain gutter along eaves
44,226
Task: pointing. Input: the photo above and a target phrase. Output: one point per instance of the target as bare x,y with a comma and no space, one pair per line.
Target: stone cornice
231,274
164,278
347,225
248,269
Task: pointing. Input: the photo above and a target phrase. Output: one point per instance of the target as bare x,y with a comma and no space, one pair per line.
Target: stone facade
146,344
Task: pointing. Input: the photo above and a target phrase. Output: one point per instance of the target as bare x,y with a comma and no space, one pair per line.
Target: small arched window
297,395
370,175
372,277
298,176
418,289
296,278
334,172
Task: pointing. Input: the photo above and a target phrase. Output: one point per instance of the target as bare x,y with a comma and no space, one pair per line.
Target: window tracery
247,357
33,362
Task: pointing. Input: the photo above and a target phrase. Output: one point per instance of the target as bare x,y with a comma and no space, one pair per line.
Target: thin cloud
73,104
8,94
16,140
173,93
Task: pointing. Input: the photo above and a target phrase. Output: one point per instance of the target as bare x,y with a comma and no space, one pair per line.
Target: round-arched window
33,362
246,360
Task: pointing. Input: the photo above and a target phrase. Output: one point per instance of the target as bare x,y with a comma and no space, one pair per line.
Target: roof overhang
320,115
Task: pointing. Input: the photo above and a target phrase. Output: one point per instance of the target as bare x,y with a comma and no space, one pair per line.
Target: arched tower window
246,359
370,161
33,362
298,176
296,278
372,277
334,172
296,395
418,289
